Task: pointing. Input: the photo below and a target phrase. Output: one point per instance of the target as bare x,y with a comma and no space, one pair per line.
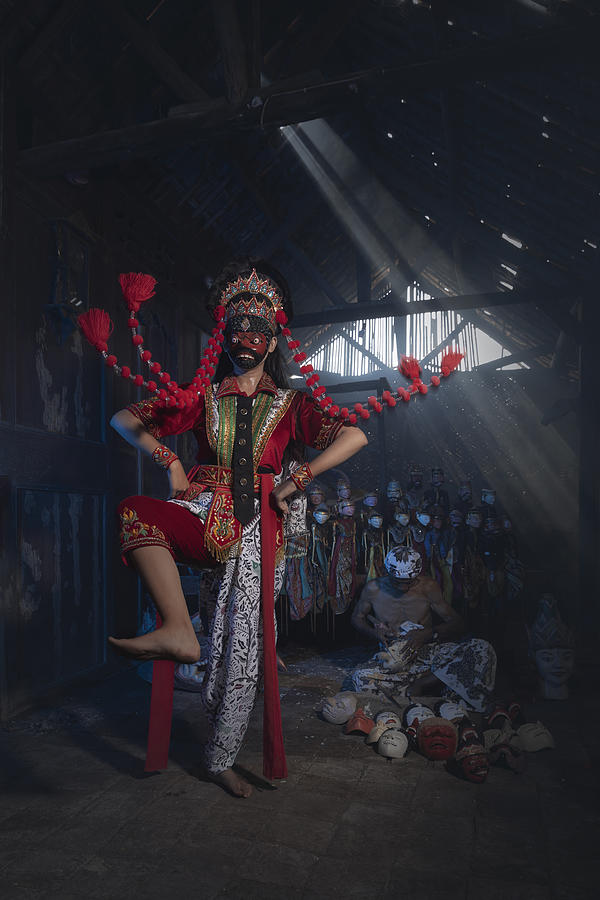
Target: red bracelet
302,476
163,457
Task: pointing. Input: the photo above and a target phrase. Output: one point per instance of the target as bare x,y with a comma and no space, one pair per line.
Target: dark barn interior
426,176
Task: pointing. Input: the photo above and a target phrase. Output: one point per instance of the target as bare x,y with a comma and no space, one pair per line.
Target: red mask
472,764
437,738
247,349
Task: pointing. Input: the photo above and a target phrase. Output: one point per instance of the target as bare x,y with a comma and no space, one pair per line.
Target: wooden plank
54,28
149,49
276,107
233,51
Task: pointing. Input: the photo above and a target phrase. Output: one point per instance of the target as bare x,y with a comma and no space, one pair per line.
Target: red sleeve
312,426
161,420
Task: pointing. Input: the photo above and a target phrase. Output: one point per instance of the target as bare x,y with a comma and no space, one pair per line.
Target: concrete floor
78,819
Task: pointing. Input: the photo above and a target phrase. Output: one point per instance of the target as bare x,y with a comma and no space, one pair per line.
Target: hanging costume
342,570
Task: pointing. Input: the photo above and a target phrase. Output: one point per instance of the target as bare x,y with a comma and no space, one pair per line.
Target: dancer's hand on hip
178,482
279,494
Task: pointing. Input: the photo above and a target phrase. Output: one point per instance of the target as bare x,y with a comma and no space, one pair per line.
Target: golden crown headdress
265,300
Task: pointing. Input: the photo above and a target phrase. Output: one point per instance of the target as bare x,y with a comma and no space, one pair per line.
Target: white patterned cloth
466,668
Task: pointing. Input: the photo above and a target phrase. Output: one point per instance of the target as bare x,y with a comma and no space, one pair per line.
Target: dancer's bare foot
178,644
232,783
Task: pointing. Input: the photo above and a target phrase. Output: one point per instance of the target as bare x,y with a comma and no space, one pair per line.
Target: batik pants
234,665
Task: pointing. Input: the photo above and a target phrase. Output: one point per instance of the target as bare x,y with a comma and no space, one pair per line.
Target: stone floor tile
331,878
432,885
246,889
493,889
303,832
277,864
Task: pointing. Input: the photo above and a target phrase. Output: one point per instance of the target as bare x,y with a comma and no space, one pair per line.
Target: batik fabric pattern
467,669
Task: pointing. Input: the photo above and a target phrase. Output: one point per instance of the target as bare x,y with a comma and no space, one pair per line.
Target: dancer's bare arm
131,429
348,442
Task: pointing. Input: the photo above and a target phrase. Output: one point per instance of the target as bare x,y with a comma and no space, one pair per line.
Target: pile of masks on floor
445,732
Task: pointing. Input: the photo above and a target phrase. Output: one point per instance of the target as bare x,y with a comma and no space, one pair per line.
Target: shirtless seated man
418,659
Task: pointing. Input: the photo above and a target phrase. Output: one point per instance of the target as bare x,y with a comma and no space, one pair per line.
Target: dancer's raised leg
176,638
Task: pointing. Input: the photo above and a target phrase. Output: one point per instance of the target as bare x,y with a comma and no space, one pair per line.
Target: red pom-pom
181,404
165,377
358,407
137,288
378,407
405,395
173,387
170,401
286,332
200,370
365,414
152,385
299,357
137,339
210,371
219,313
125,372
146,355
312,380
371,400
162,394
352,418
413,388
344,412
323,402
97,327
451,360
385,396
435,380
293,344
155,367
132,323
410,367
306,369
318,391
138,380
334,410
111,361
281,317
391,402
423,388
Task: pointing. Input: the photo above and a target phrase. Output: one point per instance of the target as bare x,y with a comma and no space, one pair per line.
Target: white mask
423,518
321,516
393,744
339,709
535,736
375,521
370,500
402,518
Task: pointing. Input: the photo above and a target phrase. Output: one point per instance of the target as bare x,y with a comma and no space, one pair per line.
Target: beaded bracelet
302,476
163,457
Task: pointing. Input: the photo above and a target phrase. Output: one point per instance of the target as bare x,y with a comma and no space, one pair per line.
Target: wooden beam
169,71
445,343
435,304
526,355
233,51
42,43
272,106
255,54
365,351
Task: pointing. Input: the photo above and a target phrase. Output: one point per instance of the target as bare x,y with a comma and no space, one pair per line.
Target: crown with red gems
265,300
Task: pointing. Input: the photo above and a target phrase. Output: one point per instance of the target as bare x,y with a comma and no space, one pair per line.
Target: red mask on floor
472,764
437,738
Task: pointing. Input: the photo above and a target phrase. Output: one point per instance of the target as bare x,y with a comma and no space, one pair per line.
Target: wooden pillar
586,614
381,430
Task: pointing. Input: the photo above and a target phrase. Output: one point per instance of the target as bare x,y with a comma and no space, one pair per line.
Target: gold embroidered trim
281,404
144,412
226,438
135,533
328,432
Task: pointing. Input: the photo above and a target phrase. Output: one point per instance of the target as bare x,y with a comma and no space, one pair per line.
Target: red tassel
111,361
137,288
372,401
451,360
344,412
137,339
352,418
286,332
97,327
334,410
138,380
358,407
365,414
423,388
323,402
299,357
378,407
219,313
281,317
391,402
318,391
125,372
306,369
435,380
152,386
410,367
